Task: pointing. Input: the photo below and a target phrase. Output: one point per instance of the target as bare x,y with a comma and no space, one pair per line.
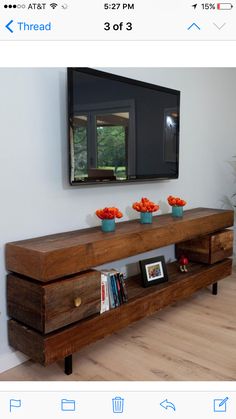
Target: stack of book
113,289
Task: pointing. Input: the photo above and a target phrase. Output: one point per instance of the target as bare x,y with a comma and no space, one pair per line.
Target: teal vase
177,212
108,225
146,217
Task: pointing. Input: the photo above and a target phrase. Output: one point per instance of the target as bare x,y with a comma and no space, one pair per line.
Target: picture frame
153,271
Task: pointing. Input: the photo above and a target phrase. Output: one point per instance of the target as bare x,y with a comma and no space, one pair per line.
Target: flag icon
14,404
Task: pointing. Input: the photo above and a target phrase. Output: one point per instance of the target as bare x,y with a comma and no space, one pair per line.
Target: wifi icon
53,5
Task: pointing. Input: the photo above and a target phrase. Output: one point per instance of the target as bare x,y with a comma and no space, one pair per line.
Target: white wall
35,196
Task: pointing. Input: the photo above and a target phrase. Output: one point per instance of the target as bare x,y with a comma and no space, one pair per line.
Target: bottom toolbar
128,404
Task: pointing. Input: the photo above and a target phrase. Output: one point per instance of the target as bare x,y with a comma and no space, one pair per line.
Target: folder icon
67,405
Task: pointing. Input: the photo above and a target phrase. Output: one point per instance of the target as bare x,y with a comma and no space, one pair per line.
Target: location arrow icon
194,6
8,26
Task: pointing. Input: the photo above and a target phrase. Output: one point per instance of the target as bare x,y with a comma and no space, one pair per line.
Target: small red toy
183,262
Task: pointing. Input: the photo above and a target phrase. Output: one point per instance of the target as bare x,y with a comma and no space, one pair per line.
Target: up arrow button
194,25
8,26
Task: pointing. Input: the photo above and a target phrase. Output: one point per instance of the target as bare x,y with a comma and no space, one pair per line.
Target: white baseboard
11,360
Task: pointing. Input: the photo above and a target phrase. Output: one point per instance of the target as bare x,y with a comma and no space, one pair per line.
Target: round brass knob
77,301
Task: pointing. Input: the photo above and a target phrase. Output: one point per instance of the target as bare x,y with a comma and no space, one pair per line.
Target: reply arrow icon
167,405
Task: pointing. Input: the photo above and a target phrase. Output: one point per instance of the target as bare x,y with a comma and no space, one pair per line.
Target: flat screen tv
120,129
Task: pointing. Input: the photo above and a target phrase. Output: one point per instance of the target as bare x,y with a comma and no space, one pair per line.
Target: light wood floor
192,340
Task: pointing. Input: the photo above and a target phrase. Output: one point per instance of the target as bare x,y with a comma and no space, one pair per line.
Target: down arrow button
219,27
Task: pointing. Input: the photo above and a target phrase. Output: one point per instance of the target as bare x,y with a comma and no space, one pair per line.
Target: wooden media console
53,290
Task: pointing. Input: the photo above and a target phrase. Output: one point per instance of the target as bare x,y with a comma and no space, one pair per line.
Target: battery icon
224,6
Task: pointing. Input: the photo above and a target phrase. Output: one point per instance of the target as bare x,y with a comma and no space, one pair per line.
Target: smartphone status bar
102,20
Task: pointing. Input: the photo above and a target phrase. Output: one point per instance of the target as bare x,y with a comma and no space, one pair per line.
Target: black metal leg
68,365
215,288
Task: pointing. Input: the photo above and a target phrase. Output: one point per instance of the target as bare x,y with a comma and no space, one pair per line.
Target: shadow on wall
230,203
227,203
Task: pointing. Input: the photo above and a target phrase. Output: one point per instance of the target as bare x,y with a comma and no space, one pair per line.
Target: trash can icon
118,405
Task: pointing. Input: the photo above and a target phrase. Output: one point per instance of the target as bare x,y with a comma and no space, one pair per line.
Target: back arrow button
8,26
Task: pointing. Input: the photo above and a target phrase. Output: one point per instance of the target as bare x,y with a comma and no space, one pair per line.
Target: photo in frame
153,271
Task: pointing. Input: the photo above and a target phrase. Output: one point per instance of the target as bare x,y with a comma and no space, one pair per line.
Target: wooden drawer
54,305
208,249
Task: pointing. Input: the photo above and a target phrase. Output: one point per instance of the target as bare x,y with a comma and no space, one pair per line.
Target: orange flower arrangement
145,206
108,213
175,201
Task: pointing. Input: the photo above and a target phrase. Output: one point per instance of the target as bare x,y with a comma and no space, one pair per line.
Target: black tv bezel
111,76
